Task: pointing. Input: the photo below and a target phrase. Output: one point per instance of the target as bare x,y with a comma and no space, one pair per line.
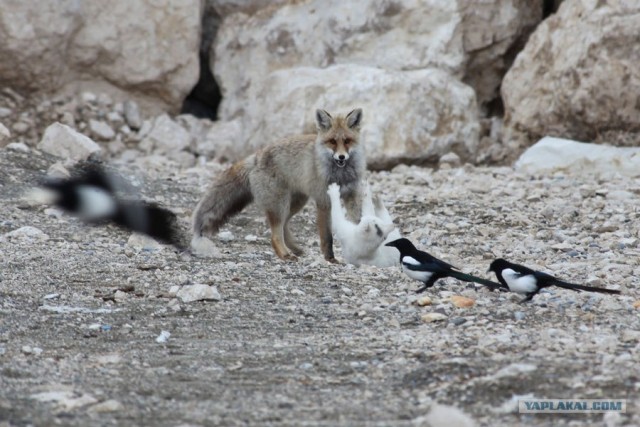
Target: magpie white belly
519,284
422,276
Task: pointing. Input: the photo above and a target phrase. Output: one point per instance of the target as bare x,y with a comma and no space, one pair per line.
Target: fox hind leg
277,223
298,201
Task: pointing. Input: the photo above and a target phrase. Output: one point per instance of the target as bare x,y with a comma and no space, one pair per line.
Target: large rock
409,116
148,48
494,31
561,155
578,76
470,39
396,35
62,141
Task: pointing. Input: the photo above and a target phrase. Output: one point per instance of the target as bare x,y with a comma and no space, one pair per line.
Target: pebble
163,337
251,238
458,321
433,317
461,302
58,171
101,130
198,292
132,114
423,300
20,127
19,147
226,236
4,135
110,405
636,304
347,291
27,349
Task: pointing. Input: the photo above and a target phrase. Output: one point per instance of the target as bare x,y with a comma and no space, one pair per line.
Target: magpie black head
403,245
498,265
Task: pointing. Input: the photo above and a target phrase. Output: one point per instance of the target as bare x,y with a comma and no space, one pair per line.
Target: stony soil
311,343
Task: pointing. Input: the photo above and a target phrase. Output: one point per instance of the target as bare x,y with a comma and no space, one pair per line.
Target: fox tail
229,194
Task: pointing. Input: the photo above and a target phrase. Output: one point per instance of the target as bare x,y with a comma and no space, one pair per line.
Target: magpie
92,195
428,269
523,280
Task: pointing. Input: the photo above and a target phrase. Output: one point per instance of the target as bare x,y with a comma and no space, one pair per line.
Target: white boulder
555,154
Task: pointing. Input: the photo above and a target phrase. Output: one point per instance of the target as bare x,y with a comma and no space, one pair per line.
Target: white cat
363,243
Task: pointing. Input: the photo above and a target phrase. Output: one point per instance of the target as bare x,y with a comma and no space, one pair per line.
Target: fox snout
341,159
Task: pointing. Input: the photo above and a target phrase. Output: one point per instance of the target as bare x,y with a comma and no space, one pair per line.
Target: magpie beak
426,268
523,280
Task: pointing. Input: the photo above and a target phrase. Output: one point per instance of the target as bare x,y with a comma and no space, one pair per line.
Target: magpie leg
527,298
429,283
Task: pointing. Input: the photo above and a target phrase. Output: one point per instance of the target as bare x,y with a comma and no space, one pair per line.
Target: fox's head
339,135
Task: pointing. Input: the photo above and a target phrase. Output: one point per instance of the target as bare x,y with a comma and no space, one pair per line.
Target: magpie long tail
579,288
149,219
469,278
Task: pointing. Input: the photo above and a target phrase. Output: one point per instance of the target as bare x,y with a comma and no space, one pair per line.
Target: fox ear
354,119
323,120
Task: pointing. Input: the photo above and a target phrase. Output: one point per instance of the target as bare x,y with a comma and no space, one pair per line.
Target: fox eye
347,141
333,142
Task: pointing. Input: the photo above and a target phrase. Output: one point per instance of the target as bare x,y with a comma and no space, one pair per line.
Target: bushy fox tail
228,195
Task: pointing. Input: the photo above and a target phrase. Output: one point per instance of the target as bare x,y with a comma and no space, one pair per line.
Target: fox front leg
324,231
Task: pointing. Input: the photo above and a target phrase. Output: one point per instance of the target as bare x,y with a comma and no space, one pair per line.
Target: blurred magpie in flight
523,280
428,269
92,195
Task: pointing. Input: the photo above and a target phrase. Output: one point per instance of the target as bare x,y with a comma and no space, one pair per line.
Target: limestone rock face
147,48
578,76
372,43
409,116
405,35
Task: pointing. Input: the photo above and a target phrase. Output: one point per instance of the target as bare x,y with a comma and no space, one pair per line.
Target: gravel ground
310,343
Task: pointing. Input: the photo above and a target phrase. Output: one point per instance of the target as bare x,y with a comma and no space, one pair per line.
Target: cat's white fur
363,243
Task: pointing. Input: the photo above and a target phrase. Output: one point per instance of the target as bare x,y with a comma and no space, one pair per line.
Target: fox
363,243
282,177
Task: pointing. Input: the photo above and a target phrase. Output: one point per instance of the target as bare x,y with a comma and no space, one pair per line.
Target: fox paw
333,189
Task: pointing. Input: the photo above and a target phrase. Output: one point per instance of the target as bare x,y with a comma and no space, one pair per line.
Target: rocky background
473,82
170,91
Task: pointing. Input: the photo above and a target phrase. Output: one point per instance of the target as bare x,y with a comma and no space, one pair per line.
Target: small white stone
163,337
251,238
226,236
19,147
101,130
198,292
433,317
107,406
